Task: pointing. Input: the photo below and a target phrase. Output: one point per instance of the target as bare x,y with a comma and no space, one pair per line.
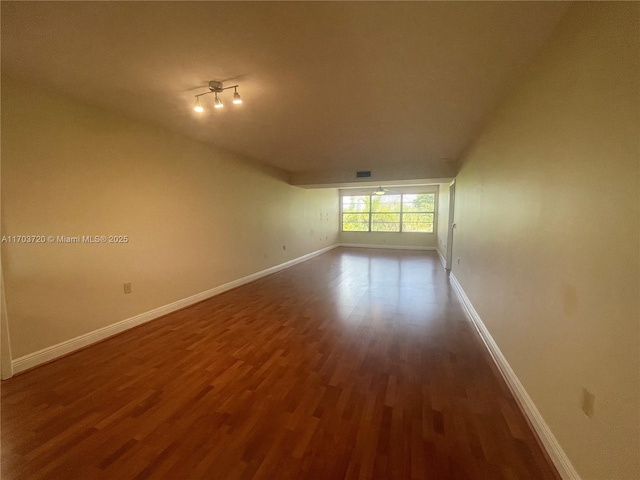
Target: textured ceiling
326,85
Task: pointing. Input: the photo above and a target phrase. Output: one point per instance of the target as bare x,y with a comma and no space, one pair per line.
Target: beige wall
548,213
389,239
196,218
417,172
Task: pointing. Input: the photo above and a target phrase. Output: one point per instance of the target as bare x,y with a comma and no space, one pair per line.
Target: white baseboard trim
444,262
50,353
388,247
553,448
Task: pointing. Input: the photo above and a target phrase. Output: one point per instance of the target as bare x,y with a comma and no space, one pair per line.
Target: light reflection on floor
382,288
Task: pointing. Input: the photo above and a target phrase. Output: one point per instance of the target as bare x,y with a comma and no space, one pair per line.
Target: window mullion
401,201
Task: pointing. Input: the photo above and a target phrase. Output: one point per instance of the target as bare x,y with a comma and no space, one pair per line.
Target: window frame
370,212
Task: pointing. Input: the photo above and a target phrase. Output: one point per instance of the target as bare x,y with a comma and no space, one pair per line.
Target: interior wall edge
53,352
549,442
6,365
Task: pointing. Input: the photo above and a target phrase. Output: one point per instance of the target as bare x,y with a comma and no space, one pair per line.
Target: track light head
237,99
217,103
198,108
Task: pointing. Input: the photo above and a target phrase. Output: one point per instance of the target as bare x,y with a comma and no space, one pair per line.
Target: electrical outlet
458,260
284,247
127,287
588,402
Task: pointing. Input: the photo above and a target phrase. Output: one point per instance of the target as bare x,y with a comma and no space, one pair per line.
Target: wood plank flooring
357,364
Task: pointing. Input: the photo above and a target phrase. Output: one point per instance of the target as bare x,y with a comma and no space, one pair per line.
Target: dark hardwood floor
357,364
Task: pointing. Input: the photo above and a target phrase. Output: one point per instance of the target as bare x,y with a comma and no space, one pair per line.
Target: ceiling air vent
363,174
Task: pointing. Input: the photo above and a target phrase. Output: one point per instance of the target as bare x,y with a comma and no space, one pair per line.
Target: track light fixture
216,87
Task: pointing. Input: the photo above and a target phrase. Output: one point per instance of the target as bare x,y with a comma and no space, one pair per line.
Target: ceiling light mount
216,87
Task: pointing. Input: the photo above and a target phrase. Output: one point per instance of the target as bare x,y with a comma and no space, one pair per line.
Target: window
405,212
